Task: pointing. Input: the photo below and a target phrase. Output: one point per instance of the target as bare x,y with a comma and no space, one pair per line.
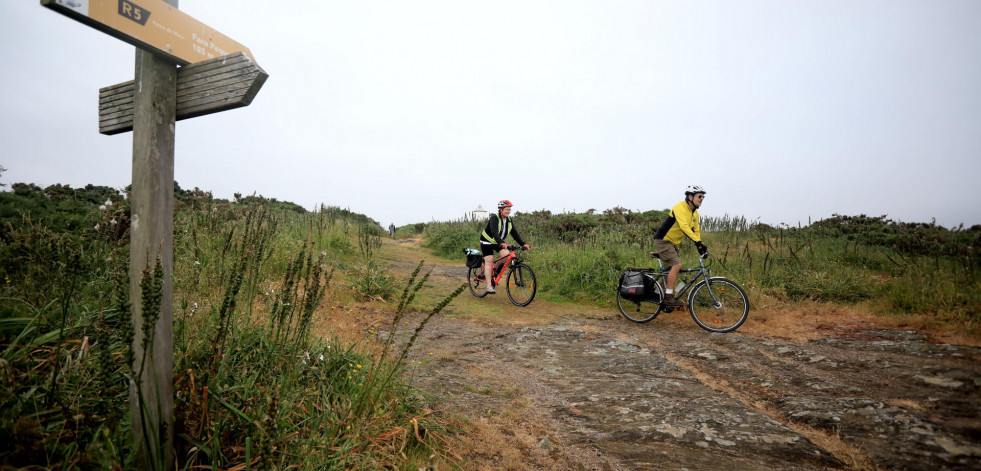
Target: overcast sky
785,111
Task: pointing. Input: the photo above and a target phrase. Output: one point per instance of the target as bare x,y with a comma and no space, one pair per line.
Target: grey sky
418,111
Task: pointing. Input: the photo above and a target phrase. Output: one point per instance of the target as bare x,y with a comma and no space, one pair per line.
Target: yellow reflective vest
497,230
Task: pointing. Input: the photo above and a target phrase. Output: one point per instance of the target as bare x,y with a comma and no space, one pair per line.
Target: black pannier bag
632,285
474,258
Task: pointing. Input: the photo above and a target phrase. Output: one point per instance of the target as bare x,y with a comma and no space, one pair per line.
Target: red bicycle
520,282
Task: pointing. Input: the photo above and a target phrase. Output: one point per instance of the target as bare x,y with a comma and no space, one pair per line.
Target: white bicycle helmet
692,189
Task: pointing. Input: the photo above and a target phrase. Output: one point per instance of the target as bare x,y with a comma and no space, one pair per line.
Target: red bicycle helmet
504,204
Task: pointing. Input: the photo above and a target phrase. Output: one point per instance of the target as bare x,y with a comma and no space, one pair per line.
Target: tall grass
254,388
63,368
896,267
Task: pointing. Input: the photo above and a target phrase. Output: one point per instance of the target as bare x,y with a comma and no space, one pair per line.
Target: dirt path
560,386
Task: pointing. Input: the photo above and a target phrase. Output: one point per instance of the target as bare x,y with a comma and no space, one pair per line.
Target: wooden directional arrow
207,87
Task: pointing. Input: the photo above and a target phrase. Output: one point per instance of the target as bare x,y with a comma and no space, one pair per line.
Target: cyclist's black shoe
671,301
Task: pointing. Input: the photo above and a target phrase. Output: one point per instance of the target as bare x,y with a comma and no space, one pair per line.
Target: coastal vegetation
263,289
896,268
254,386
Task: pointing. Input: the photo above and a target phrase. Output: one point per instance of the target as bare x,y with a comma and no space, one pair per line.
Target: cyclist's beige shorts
668,252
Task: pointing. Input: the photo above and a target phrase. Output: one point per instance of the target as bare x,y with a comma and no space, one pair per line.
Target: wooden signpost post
217,74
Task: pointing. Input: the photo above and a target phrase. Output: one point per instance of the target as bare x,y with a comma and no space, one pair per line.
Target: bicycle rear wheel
521,285
722,310
474,284
638,311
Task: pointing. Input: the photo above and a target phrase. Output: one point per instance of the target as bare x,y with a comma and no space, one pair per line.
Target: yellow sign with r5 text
152,25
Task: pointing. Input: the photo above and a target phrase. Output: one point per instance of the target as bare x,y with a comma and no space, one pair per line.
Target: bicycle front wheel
521,285
475,284
638,311
721,305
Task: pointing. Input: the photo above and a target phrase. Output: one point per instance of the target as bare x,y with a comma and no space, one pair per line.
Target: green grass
902,268
253,386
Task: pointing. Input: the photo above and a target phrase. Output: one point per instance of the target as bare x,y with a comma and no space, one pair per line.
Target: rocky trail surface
574,387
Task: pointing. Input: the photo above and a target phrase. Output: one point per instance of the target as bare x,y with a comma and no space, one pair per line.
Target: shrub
449,239
250,381
370,282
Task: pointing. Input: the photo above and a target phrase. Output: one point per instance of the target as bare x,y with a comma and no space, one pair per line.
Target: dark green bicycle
717,304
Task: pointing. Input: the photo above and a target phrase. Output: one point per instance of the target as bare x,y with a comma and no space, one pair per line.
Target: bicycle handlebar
703,257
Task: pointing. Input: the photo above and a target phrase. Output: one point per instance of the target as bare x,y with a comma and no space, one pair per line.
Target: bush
248,277
449,239
579,256
371,282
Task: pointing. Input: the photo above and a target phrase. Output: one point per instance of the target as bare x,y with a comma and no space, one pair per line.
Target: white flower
96,227
321,357
102,208
113,221
108,202
197,262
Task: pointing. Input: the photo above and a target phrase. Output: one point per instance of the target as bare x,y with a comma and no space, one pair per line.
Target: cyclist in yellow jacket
682,222
499,226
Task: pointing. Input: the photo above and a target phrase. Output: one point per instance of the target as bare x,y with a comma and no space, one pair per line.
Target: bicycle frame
519,283
701,271
716,304
510,260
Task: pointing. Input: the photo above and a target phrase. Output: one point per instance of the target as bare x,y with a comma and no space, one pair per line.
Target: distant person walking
391,230
499,226
682,222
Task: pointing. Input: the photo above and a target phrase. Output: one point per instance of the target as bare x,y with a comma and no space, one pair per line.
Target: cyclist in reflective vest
682,222
499,226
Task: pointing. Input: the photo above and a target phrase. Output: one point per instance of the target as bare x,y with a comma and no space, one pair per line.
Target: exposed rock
684,399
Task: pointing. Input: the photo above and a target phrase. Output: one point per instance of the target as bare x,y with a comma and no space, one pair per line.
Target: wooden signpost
218,74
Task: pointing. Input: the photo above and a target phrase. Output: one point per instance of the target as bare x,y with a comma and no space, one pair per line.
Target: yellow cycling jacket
681,222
